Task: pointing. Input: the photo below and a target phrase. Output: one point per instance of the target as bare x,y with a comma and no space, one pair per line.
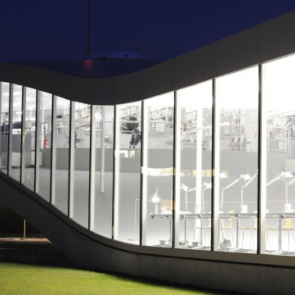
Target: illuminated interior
141,172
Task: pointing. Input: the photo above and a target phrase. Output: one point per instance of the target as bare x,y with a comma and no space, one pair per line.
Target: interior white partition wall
16,132
177,172
216,170
101,171
237,96
5,90
278,113
81,161
92,169
10,116
23,135
144,212
43,145
60,153
115,223
29,137
127,171
37,144
261,233
102,147
194,165
71,160
53,171
158,170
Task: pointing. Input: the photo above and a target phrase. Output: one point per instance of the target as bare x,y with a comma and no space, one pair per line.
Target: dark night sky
157,29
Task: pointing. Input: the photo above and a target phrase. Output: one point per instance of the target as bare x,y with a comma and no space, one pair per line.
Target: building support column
92,169
71,160
37,142
176,174
215,170
23,136
262,162
53,152
10,116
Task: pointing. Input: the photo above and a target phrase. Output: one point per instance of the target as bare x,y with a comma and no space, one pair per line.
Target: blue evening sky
157,29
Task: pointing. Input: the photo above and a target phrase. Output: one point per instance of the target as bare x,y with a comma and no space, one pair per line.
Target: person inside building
289,125
5,125
135,136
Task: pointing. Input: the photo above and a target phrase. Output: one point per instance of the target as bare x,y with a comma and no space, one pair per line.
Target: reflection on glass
45,111
238,98
81,153
195,105
61,177
279,93
15,159
104,125
29,138
127,174
4,126
158,170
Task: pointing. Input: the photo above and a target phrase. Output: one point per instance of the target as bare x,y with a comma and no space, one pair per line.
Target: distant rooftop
118,54
100,65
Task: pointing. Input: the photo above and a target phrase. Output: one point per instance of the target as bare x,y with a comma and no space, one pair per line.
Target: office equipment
244,177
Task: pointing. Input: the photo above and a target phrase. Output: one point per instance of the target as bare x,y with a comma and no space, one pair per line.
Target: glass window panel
278,94
29,139
15,159
104,126
45,114
81,153
62,131
238,98
158,170
195,105
4,126
127,176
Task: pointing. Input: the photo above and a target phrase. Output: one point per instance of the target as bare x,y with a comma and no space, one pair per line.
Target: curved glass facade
206,168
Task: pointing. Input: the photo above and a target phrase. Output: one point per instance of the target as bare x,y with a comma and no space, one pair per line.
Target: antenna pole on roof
88,28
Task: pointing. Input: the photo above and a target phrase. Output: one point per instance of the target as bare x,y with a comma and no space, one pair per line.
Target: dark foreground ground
39,251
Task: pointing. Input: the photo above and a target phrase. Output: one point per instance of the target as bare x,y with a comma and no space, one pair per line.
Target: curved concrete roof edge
261,43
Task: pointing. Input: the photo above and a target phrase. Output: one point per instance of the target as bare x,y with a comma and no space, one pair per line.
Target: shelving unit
190,123
82,117
129,111
163,118
234,120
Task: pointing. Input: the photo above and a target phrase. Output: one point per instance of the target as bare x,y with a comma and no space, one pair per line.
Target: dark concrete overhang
253,46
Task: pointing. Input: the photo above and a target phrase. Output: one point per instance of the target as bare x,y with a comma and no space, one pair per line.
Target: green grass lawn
18,279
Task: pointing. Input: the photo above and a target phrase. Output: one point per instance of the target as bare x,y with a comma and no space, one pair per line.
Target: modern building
181,172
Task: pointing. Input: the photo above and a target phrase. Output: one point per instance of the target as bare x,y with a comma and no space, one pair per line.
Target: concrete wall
90,251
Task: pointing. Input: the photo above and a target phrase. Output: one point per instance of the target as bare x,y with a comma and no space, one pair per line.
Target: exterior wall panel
276,37
235,52
61,84
193,68
102,91
158,79
37,78
127,88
